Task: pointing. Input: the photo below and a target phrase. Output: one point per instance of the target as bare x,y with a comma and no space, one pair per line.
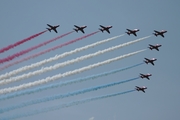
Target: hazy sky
22,19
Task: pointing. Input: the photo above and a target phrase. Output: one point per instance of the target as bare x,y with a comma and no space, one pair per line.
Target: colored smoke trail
9,58
68,62
57,107
58,76
37,64
60,84
60,96
20,42
51,49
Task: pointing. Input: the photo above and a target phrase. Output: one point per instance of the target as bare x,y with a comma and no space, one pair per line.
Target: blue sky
161,100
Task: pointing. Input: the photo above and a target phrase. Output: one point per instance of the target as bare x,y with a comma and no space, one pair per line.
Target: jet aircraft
132,31
145,76
52,28
159,33
103,28
79,28
154,46
150,60
141,88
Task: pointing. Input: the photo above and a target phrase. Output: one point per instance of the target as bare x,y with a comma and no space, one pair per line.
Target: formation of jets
106,28
151,47
129,32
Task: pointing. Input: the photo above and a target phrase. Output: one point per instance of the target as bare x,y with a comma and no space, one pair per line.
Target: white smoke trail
58,76
37,64
69,82
56,66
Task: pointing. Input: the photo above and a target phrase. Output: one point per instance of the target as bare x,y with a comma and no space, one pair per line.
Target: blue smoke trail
57,107
60,84
60,96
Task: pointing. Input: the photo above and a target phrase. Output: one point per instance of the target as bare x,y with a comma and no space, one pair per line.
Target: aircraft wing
102,26
76,26
151,45
108,31
55,30
156,31
143,91
82,31
134,34
162,35
49,25
146,58
128,30
152,63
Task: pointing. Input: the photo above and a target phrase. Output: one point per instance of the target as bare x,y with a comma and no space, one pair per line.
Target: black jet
159,33
103,28
150,60
79,28
141,88
52,28
145,76
132,31
154,46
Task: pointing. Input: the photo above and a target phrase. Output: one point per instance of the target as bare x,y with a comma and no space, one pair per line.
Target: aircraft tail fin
101,29
49,29
76,30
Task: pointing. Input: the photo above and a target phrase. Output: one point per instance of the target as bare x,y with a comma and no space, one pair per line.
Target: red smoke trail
9,58
48,50
20,42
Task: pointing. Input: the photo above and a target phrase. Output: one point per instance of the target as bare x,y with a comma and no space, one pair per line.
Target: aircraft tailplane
76,30
155,34
146,62
49,29
128,33
150,48
101,29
